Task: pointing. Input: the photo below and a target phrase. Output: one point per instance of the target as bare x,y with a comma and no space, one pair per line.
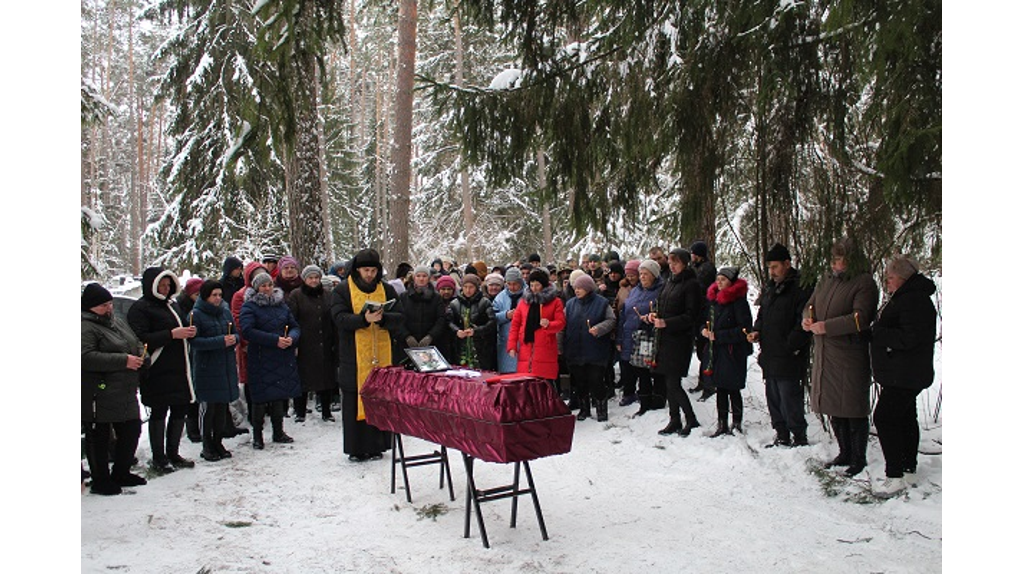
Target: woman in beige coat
839,314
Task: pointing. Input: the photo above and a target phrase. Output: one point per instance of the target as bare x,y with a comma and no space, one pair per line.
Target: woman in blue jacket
640,303
214,372
272,333
505,304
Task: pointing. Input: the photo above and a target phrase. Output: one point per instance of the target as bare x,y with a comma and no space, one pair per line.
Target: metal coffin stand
475,496
490,419
398,458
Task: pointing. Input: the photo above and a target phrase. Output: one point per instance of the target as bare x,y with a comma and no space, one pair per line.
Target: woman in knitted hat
188,296
311,306
213,367
587,344
473,327
272,332
493,284
167,389
535,325
364,341
425,323
638,305
728,350
505,304
288,278
112,357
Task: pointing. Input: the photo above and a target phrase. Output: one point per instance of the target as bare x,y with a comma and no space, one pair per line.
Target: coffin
499,421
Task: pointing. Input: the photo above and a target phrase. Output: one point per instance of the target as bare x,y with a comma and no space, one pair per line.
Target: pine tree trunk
468,217
303,181
398,221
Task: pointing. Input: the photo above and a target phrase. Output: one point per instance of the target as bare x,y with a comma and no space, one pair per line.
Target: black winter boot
96,451
691,423
602,410
841,428
175,430
584,413
257,415
160,464
192,424
645,405
723,428
277,420
800,438
737,423
858,443
674,427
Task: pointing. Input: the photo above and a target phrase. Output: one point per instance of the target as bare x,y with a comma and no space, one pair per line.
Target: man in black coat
784,347
674,318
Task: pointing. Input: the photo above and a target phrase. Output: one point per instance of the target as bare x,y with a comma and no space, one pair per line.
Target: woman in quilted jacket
272,333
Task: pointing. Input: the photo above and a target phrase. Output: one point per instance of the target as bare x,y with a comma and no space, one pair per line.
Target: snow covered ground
623,500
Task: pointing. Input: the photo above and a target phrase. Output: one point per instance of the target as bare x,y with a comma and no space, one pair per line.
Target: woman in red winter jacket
536,322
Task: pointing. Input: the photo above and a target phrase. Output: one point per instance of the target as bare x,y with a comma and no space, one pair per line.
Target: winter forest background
50,58
487,130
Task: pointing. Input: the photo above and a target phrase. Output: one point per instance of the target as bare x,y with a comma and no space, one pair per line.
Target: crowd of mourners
286,334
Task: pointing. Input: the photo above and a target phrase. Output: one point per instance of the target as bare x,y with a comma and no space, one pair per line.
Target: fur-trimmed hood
545,296
733,292
250,271
151,278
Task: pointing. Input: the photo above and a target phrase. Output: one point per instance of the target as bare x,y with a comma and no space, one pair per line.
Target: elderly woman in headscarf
364,341
536,322
839,315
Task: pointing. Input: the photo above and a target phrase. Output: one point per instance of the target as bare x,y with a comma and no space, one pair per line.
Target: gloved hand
410,341
425,341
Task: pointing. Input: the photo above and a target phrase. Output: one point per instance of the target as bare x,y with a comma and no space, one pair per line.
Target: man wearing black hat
784,347
112,357
706,273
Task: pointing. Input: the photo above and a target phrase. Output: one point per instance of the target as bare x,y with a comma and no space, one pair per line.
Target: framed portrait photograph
427,359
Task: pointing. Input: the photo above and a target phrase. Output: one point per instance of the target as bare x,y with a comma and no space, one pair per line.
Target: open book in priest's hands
374,306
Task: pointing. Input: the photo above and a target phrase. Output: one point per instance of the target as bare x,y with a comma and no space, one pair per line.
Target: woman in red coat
536,322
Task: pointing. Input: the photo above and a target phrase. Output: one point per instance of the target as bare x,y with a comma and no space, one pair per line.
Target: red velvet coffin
503,421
